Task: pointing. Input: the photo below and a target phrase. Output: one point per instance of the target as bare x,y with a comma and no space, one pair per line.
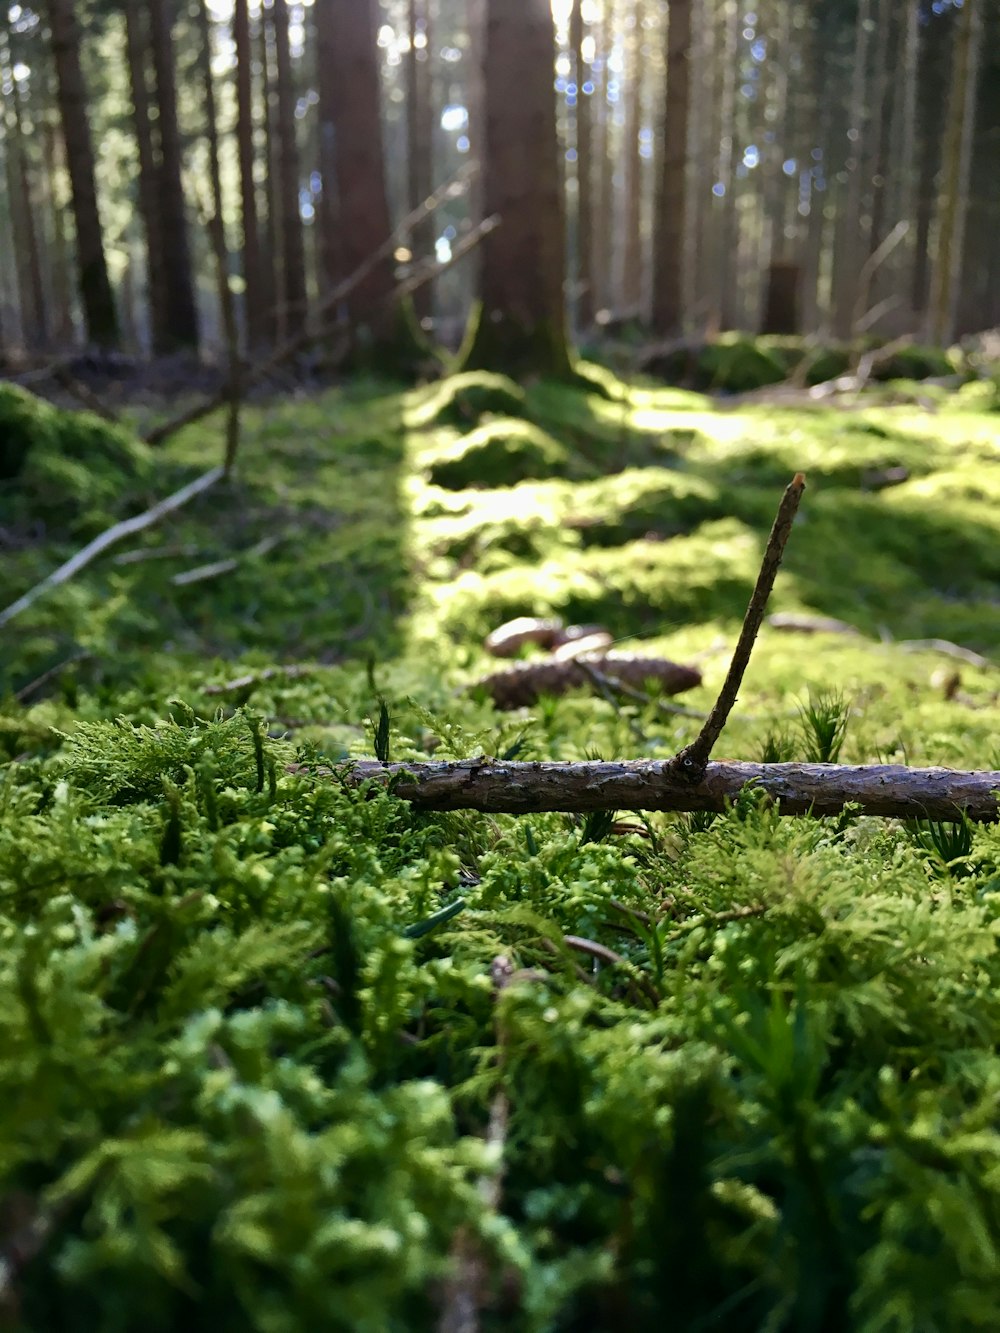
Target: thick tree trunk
253,276
671,205
363,222
522,323
137,46
500,787
956,159
180,311
95,286
293,262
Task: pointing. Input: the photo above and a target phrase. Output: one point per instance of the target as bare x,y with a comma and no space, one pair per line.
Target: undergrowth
257,1069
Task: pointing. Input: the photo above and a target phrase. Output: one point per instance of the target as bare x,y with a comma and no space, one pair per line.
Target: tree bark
253,276
584,173
137,45
293,262
180,310
227,306
847,256
98,304
363,223
521,327
669,249
648,784
419,139
956,159
631,285
27,251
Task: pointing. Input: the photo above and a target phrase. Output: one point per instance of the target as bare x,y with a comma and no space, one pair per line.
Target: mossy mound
500,453
731,364
69,470
913,363
462,400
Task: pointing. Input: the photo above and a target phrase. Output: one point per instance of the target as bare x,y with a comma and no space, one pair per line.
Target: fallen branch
216,568
500,787
110,537
947,649
251,680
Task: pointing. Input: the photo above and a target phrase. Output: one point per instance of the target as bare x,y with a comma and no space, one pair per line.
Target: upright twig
693,759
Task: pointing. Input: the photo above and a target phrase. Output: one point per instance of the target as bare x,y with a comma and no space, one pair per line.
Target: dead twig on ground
110,537
693,759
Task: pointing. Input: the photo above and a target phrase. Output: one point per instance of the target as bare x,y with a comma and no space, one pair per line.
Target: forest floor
771,1100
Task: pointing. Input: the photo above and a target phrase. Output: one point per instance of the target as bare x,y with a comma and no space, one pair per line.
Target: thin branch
693,759
251,680
215,569
501,787
33,686
110,537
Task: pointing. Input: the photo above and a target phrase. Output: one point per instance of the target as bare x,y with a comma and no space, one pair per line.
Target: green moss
69,470
521,350
914,363
462,399
500,453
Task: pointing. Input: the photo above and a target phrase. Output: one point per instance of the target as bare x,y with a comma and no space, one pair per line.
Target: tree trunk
419,136
27,252
95,286
631,288
293,261
956,159
227,306
180,311
584,173
725,294
271,217
62,294
603,266
363,205
672,196
847,255
253,274
137,45
521,327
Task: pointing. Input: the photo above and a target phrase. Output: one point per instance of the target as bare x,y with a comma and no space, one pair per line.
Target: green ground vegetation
250,1047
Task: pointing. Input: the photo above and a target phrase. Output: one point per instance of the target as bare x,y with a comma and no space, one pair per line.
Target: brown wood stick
502,787
693,759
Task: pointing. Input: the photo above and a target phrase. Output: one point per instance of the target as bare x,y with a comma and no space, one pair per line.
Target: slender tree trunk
603,268
62,298
227,306
847,255
631,289
419,135
28,261
253,274
95,286
584,173
904,174
271,217
956,159
725,296
181,312
137,46
672,196
292,251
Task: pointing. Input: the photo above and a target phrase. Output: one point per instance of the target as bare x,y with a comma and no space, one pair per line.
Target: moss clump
69,470
913,363
461,400
500,453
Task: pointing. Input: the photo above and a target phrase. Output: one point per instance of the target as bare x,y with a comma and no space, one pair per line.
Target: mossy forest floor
255,1072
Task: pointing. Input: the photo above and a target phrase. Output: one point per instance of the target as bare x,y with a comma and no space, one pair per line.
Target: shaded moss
500,453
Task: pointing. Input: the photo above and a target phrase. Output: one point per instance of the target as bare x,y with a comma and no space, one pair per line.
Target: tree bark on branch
499,787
